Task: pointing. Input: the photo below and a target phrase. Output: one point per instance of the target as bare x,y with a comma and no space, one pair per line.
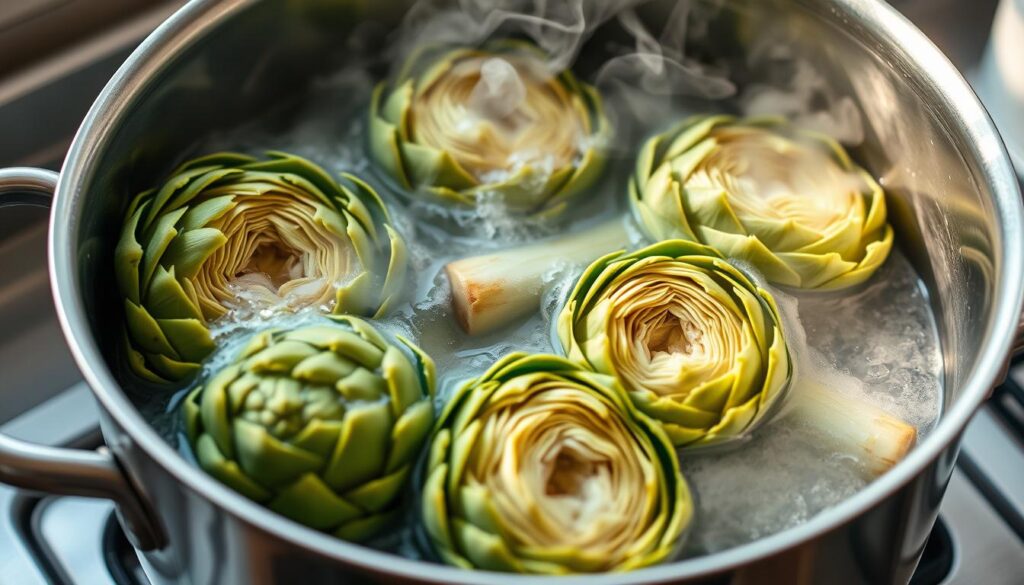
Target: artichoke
460,124
228,232
321,424
538,466
697,345
789,202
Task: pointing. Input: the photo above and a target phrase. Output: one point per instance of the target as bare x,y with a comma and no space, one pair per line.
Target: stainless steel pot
954,200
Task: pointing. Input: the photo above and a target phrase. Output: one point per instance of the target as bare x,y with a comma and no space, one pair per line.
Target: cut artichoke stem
875,437
493,290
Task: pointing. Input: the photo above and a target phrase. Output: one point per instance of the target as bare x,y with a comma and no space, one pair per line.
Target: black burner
119,556
937,559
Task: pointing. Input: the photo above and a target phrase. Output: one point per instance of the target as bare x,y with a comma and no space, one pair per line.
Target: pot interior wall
267,53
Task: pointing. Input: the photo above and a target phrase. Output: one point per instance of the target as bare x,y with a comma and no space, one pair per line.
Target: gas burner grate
937,559
119,556
1008,399
993,451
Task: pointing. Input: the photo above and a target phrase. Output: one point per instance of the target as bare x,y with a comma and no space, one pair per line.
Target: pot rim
197,17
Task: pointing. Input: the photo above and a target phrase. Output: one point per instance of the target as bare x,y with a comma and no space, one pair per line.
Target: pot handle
54,470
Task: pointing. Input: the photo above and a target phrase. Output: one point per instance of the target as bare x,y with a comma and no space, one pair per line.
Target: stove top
63,540
978,540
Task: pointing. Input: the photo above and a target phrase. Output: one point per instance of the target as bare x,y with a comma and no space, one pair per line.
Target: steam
796,89
640,82
647,64
559,27
649,83
659,66
499,93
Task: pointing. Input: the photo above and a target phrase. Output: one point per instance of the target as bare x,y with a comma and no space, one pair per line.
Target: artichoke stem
876,438
493,290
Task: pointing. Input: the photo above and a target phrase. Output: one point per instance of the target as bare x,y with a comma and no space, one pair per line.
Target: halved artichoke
538,466
696,343
461,123
321,424
789,202
231,232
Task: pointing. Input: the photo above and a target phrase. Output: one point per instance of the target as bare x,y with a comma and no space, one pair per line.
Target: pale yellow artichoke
789,202
230,232
459,124
539,466
697,344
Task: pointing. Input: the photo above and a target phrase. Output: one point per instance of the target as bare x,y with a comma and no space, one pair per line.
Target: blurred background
55,57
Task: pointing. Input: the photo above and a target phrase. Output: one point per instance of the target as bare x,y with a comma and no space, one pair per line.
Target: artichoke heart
322,424
787,201
463,124
698,346
229,234
539,466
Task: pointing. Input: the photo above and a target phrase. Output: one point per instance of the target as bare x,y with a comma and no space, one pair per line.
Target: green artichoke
789,202
697,345
321,424
228,232
538,466
459,124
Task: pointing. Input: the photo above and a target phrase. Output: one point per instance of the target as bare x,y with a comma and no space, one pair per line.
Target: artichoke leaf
310,502
213,462
362,447
377,494
323,368
267,460
167,299
189,337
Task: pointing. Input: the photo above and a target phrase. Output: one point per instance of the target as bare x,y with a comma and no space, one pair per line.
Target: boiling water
879,341
880,344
